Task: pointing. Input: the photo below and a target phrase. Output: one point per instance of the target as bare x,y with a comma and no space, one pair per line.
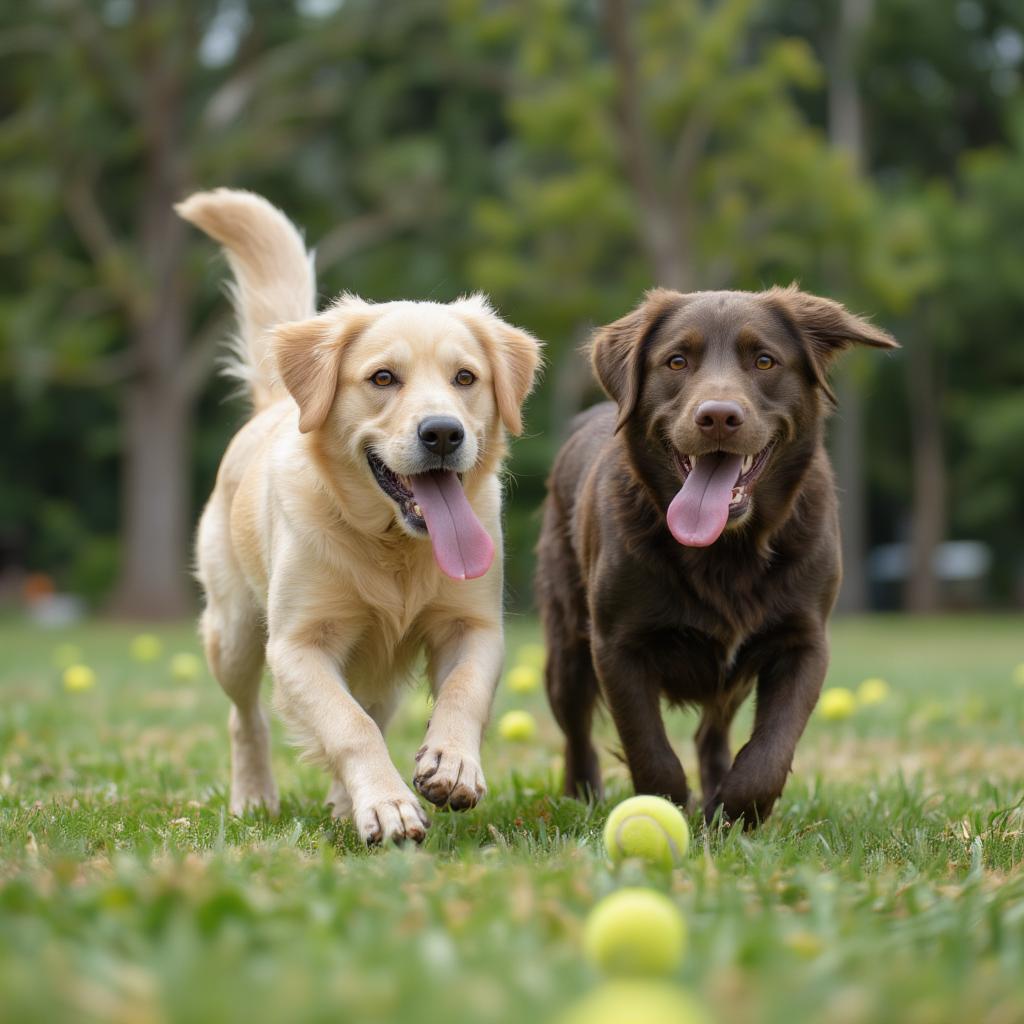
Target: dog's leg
572,693
712,737
569,670
311,695
464,669
633,692
337,796
233,638
787,690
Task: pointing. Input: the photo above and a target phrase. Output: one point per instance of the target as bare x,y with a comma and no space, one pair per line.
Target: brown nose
719,418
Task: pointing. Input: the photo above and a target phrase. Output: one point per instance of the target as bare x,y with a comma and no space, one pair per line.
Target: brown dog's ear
826,327
308,354
616,353
513,354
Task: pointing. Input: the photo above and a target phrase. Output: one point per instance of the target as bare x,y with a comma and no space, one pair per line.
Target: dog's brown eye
764,361
676,362
383,378
464,378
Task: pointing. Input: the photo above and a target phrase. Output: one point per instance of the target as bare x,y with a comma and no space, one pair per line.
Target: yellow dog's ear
617,352
825,328
308,354
514,356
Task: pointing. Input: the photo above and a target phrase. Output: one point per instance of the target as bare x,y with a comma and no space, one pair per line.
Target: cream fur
304,558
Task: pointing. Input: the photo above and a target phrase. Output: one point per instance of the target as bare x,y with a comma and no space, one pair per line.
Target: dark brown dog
690,546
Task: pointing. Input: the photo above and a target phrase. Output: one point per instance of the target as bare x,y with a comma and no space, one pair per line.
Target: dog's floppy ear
308,354
616,353
514,356
826,328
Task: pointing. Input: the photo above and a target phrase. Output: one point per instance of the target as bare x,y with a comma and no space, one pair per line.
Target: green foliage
429,149
887,887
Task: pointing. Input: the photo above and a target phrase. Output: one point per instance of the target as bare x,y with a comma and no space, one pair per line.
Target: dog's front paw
393,817
449,778
752,804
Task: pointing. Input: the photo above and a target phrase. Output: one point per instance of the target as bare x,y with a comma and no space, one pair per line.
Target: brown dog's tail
274,278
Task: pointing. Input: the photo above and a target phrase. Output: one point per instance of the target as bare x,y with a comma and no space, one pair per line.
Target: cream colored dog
354,524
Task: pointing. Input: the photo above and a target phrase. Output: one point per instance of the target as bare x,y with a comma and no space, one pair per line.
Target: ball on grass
636,1002
650,828
532,655
185,667
78,678
517,726
146,647
523,679
837,703
873,691
635,932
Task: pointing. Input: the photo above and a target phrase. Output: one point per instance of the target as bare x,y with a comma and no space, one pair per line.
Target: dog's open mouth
435,503
716,488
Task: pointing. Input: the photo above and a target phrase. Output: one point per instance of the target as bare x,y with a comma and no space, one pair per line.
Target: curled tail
274,278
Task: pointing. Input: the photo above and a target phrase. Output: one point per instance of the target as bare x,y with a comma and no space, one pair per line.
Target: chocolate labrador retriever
690,546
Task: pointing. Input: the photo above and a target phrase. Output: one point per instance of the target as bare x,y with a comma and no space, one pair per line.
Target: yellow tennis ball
648,827
873,691
635,932
185,667
518,726
631,1001
523,679
532,655
79,677
837,703
1018,675
146,647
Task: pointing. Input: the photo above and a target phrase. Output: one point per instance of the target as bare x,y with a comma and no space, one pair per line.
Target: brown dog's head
413,399
716,386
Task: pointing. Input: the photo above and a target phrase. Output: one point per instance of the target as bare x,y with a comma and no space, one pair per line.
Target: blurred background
561,156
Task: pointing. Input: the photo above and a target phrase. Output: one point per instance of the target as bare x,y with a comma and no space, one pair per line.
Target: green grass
887,887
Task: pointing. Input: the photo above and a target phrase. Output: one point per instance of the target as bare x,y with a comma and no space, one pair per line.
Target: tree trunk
928,510
661,234
846,130
154,580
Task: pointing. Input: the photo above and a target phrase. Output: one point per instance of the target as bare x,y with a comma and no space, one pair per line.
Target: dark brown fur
633,616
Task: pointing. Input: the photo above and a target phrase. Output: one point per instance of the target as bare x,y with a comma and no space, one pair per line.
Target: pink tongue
699,512
462,547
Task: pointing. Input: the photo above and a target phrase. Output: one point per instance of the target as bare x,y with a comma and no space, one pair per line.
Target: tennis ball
873,691
648,827
636,1002
518,726
1018,675
79,677
146,647
635,932
523,679
532,655
837,703
185,667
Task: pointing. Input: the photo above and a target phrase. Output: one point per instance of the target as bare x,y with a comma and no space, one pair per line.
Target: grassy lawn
887,887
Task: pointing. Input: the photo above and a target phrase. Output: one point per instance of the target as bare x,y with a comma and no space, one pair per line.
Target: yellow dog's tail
274,279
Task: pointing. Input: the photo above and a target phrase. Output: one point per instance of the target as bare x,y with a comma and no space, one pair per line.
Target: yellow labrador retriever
354,524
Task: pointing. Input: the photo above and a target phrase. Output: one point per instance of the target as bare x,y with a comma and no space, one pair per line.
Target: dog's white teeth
748,461
416,510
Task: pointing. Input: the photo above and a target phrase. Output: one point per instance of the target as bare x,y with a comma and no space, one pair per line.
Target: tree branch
113,268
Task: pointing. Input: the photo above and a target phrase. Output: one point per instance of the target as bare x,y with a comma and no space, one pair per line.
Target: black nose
719,419
441,435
